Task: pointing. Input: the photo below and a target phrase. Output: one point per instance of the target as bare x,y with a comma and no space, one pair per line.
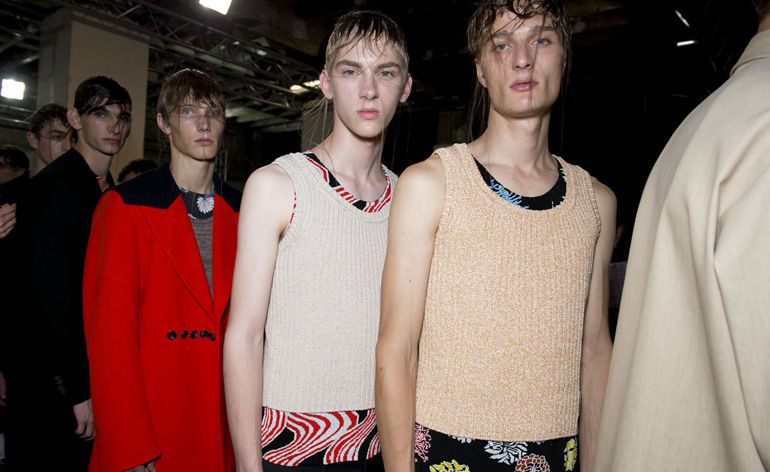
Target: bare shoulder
268,198
270,178
605,197
426,177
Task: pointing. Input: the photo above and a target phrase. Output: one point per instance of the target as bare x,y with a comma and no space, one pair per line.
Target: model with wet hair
494,345
299,350
156,293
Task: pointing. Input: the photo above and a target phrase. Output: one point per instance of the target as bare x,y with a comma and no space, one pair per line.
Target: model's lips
112,141
368,114
204,142
524,85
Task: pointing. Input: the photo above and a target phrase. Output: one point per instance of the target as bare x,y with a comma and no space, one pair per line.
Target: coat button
212,337
171,335
204,334
194,334
184,334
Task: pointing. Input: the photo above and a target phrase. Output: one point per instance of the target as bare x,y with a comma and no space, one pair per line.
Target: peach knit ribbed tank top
501,341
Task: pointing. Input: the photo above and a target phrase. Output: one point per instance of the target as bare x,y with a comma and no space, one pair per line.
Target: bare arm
414,219
266,208
597,346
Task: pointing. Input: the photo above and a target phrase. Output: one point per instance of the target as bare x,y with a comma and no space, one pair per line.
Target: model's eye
215,113
348,72
388,73
125,117
100,114
187,111
502,47
542,41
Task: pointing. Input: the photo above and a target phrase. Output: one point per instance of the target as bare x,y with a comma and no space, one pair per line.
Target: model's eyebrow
347,63
532,29
389,65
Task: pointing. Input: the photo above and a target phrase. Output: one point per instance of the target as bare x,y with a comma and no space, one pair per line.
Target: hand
7,219
85,418
148,467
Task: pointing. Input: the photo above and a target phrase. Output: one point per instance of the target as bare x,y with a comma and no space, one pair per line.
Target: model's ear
326,86
407,89
73,118
480,74
32,140
162,124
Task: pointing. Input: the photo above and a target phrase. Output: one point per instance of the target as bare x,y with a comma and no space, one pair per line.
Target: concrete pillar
74,47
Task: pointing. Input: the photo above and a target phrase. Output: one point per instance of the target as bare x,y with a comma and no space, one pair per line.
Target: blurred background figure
49,134
136,168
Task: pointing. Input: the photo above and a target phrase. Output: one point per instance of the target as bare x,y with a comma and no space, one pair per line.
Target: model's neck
764,24
351,156
97,161
523,142
190,174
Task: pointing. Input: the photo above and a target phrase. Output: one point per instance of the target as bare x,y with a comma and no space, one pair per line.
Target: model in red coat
156,293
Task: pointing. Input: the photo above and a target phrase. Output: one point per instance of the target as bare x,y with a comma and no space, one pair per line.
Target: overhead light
300,89
217,5
12,89
689,42
682,18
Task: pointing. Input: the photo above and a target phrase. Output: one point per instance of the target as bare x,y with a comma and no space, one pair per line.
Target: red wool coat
153,331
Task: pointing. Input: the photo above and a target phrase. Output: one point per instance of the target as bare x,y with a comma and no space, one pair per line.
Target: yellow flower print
449,467
570,454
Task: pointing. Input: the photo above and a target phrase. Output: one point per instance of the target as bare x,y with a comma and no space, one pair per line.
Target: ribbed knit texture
501,340
204,234
324,308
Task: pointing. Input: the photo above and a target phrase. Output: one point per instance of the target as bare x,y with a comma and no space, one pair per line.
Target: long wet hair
479,33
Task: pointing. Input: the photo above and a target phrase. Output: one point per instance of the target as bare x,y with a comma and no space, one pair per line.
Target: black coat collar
157,189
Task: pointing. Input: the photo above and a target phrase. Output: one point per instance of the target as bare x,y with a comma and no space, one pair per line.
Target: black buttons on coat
194,334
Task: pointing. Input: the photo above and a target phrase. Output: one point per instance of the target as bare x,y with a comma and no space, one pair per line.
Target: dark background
630,85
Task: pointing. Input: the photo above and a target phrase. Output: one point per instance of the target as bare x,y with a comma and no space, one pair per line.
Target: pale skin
366,85
194,132
514,148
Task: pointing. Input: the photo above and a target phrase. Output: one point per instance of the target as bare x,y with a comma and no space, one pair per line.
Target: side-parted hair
189,85
100,91
364,25
14,157
47,115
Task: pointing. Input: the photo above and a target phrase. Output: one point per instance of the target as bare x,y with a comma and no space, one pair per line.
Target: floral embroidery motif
449,467
506,452
570,454
533,463
205,203
507,195
421,442
462,439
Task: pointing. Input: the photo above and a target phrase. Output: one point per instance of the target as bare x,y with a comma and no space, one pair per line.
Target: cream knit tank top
324,310
501,341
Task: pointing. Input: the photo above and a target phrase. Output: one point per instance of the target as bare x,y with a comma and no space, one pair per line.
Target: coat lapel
174,232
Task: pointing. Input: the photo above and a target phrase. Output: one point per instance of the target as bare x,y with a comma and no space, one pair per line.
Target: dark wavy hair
98,92
193,85
47,115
